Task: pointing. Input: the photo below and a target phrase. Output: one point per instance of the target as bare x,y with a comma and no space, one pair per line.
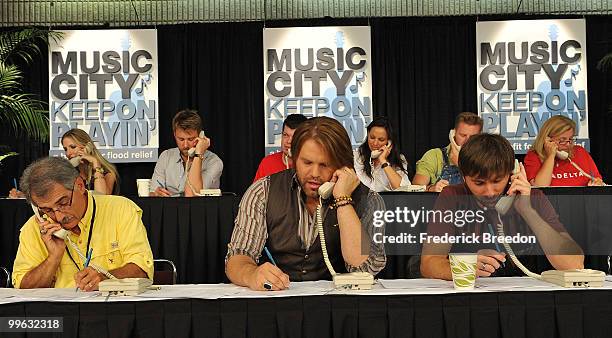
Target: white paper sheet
296,289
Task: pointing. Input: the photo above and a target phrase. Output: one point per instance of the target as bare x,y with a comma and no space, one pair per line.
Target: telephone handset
193,150
326,189
61,233
75,161
351,280
505,202
562,155
451,138
376,153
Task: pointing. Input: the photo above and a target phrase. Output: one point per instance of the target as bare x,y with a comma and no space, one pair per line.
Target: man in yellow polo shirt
110,226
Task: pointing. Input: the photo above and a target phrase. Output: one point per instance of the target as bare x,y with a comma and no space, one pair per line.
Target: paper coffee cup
143,185
463,268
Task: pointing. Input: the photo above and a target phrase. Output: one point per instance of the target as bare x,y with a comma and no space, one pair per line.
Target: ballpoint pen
88,258
269,255
86,264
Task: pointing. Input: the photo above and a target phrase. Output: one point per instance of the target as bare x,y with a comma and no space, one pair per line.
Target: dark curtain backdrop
424,73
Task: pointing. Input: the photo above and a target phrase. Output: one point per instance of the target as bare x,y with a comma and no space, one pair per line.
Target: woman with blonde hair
100,175
555,159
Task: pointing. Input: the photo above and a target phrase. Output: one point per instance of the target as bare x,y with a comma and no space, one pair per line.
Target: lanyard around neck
91,226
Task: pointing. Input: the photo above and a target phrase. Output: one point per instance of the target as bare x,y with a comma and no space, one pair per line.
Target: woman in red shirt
544,168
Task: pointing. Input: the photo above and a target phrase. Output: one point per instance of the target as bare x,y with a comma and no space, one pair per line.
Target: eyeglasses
564,140
62,205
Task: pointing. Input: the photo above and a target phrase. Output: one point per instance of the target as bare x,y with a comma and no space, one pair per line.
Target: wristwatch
384,165
201,156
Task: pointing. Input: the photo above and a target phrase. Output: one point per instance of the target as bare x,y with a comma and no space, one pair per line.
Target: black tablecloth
194,232
572,314
586,213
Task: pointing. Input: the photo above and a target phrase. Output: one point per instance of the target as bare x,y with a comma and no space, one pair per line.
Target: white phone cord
94,266
500,231
322,239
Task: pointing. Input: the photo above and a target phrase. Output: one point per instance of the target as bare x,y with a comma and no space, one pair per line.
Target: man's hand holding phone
202,144
520,186
55,246
346,182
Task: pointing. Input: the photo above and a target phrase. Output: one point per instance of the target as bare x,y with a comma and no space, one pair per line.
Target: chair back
164,272
5,278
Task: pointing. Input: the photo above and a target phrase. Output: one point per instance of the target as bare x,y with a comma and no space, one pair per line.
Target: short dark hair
330,134
486,155
468,118
187,119
292,121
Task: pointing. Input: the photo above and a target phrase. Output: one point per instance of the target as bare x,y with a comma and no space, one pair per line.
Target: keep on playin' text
507,61
294,68
72,74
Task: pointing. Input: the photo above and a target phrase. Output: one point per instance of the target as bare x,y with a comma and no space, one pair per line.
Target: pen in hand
86,264
269,256
88,257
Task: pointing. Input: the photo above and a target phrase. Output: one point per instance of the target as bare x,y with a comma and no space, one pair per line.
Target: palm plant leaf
25,114
24,44
10,77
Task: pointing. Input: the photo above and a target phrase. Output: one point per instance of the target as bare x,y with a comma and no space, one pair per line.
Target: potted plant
22,112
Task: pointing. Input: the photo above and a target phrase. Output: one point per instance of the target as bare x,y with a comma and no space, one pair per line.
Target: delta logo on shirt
561,176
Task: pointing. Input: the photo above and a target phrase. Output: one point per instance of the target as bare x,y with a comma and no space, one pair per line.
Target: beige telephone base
577,278
354,280
210,192
412,188
124,286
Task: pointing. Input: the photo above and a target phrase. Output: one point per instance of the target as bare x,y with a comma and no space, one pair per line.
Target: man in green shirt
438,167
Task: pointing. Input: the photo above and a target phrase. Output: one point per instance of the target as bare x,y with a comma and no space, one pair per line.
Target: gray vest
282,221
